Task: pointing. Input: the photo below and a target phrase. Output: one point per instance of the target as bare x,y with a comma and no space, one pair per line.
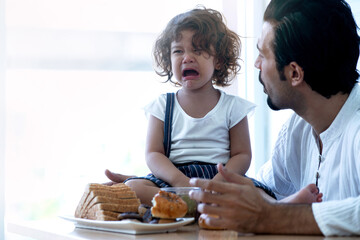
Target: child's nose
188,58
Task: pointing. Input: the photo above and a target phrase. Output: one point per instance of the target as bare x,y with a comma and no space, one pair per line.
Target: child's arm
240,149
155,157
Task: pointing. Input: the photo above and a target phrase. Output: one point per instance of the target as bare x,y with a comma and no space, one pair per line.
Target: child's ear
217,65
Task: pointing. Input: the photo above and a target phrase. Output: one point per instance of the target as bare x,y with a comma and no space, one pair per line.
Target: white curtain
250,22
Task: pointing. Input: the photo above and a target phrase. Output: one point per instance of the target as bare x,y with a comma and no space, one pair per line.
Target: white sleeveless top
202,139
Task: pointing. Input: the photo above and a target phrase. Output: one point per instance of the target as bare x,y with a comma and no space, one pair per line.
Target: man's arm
288,219
341,217
240,207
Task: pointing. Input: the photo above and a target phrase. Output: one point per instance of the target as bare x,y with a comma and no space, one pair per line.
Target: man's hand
241,207
238,203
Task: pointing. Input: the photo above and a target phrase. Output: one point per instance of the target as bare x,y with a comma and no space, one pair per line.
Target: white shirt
203,139
294,165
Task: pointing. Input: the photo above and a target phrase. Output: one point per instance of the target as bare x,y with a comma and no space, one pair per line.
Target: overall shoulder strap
170,98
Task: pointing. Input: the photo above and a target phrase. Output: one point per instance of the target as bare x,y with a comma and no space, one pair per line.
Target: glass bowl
183,192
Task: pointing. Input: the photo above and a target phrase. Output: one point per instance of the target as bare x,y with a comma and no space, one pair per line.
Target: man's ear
295,73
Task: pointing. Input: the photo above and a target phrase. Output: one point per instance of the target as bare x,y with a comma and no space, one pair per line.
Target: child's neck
198,103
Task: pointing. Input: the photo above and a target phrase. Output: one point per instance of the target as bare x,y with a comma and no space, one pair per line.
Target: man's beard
269,101
272,105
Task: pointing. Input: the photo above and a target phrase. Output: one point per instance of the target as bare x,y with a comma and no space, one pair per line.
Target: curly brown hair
210,31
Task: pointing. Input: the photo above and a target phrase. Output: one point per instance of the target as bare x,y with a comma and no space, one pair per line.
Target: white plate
128,226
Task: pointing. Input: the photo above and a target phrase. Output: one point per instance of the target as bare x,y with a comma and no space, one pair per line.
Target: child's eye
177,51
197,51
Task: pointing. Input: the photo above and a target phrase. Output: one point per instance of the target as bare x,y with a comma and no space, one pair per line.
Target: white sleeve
274,173
157,107
341,217
239,110
265,175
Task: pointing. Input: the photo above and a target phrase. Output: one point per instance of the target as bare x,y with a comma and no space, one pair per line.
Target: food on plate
129,215
203,225
162,221
143,209
165,220
145,212
119,202
168,205
192,206
102,202
183,192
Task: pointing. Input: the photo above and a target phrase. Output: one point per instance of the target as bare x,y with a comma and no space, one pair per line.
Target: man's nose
257,63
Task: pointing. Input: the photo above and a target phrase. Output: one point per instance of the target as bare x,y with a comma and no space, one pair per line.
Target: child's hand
184,182
116,177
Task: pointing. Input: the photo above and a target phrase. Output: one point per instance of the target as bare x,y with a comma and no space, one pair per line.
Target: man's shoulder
296,123
353,125
294,130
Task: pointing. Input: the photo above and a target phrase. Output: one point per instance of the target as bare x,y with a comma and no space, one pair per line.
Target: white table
59,229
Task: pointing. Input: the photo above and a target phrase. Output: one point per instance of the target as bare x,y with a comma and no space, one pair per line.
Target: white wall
2,118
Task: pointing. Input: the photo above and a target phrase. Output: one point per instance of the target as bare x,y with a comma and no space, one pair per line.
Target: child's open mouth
190,73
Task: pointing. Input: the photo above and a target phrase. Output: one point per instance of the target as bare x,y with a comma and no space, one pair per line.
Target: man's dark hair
319,35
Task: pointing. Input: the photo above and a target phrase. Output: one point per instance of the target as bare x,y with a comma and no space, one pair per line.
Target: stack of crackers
102,202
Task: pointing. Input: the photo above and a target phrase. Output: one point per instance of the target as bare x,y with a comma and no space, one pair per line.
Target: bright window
78,74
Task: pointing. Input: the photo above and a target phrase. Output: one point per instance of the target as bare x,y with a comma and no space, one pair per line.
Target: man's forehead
266,38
